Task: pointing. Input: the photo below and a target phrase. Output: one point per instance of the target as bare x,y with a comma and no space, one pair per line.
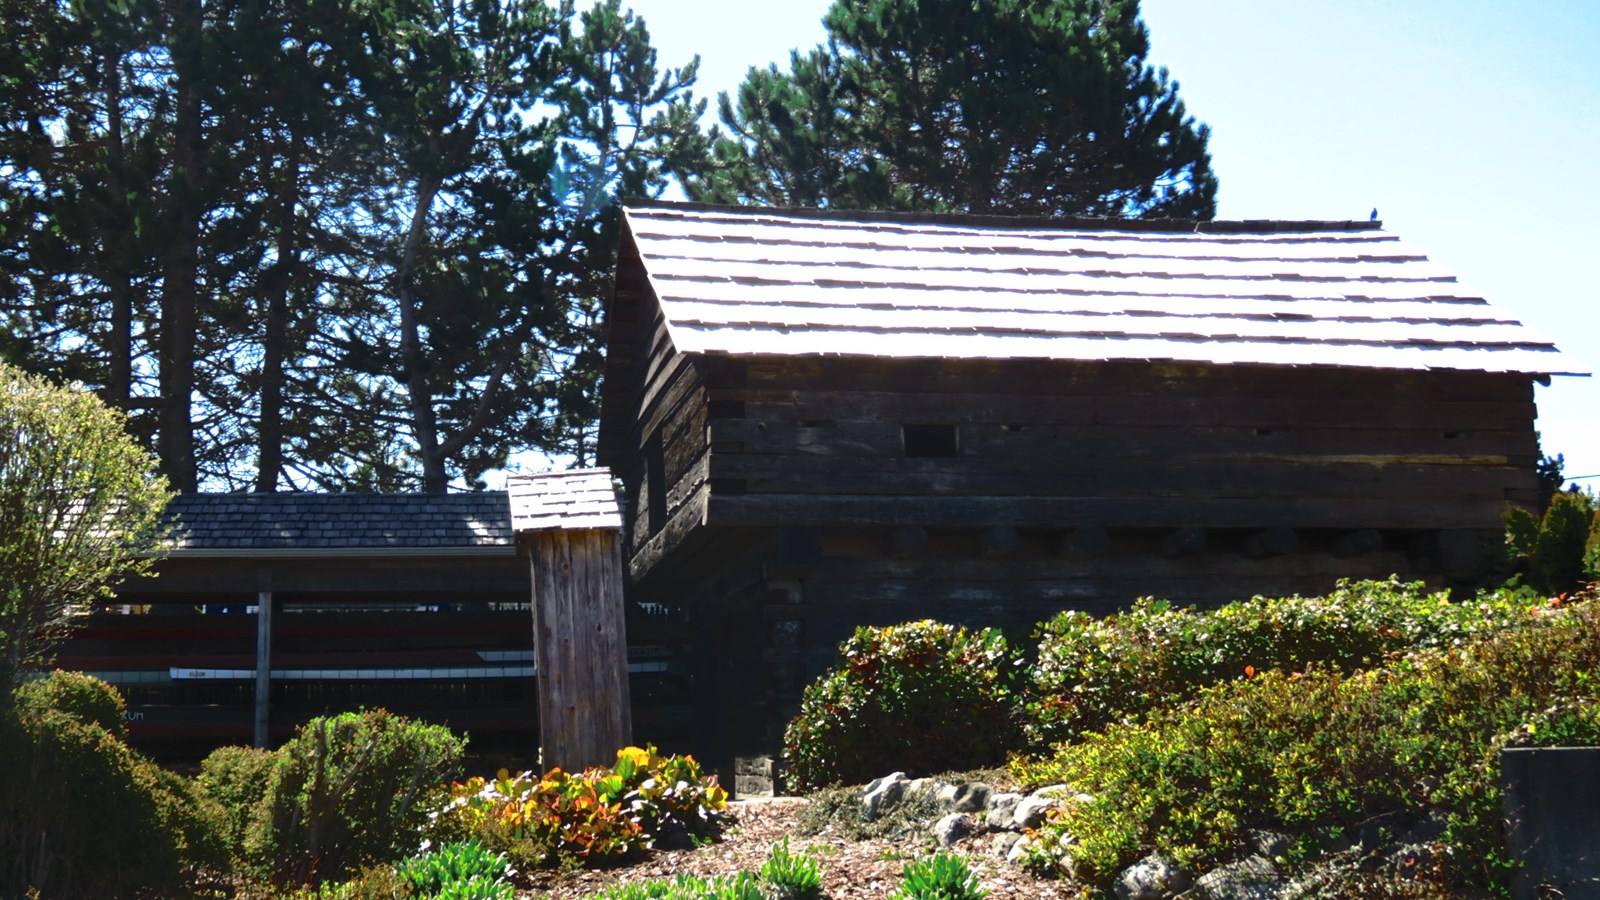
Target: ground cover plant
590,815
1324,755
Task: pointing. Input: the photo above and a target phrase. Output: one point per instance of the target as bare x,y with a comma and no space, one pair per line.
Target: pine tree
1022,107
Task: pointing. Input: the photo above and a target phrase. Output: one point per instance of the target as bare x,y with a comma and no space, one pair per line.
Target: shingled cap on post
570,500
813,283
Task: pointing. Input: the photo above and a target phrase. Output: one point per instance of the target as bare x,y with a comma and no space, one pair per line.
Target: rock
946,795
1001,809
883,794
1001,846
1251,878
1031,812
952,828
1155,877
917,785
1018,851
1271,844
972,797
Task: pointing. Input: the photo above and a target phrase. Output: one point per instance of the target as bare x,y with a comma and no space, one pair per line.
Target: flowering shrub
1322,754
598,813
1092,671
923,697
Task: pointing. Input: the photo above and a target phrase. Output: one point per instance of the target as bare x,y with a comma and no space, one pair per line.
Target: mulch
852,870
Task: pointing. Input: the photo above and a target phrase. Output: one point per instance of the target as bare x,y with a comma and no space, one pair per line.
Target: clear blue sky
1473,127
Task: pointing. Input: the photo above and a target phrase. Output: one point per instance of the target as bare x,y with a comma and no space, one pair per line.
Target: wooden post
263,665
580,647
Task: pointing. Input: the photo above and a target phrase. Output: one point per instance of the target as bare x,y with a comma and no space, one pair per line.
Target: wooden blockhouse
828,419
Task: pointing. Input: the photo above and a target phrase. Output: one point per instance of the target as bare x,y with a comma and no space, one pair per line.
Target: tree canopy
311,244
80,509
1022,107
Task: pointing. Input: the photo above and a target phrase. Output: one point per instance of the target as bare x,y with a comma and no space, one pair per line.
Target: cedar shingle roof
257,522
806,282
580,499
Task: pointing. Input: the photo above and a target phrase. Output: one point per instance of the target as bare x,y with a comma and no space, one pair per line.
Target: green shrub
940,877
349,790
595,814
83,697
789,876
1322,754
921,697
236,780
82,815
1093,671
462,863
1561,551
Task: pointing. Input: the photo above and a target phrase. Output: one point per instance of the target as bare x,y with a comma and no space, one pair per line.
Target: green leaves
942,691
1023,107
79,510
1560,551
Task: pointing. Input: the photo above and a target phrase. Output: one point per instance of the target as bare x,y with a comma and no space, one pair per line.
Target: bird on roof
1374,216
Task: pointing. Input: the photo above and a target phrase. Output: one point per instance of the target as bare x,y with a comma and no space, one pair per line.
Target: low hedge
1321,754
1092,672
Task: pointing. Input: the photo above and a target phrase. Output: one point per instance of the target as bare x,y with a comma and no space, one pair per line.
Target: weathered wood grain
580,643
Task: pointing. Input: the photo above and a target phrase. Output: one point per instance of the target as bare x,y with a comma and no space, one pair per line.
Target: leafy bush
82,815
236,780
923,697
1092,672
1323,754
83,697
789,876
348,790
80,510
595,814
1560,551
939,877
465,865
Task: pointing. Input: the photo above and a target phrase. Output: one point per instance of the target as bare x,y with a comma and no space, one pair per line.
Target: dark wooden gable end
826,419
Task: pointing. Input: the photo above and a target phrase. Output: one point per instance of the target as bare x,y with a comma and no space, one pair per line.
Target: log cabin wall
1115,445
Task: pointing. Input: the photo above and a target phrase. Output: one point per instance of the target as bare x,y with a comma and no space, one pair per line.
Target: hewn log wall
814,441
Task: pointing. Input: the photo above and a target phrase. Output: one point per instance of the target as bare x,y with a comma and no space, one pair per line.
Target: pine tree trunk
424,422
181,269
275,338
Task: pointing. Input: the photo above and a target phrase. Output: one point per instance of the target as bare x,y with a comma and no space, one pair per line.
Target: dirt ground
852,870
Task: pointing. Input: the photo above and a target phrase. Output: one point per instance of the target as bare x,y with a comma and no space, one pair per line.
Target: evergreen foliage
329,246
1559,552
1021,107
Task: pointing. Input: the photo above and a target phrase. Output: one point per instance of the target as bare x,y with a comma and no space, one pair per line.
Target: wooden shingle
570,500
808,283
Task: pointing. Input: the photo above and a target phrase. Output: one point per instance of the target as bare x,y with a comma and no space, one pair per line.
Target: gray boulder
1155,877
1000,847
951,829
971,797
883,794
1251,878
1002,807
1031,812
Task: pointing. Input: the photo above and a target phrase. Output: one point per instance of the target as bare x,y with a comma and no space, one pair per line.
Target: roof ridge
1087,223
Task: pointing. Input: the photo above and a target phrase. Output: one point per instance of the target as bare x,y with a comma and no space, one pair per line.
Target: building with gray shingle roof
243,524
830,418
